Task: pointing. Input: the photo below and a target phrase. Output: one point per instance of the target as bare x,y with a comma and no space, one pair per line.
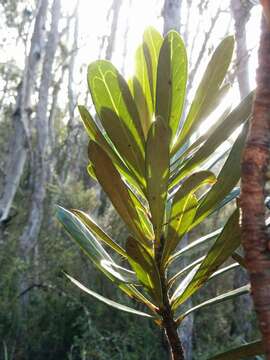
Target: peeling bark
255,162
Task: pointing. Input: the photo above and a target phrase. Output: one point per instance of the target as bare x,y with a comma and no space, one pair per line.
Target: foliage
142,155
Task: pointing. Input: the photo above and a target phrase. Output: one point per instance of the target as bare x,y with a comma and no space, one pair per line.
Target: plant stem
166,312
170,328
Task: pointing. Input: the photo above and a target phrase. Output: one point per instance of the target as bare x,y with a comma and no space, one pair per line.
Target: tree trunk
19,139
39,165
255,162
241,325
171,14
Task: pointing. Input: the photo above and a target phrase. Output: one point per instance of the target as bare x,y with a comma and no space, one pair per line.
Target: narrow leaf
92,226
107,301
102,139
241,352
182,215
171,81
224,246
207,90
115,188
226,180
145,268
152,41
237,117
194,245
118,113
215,300
157,172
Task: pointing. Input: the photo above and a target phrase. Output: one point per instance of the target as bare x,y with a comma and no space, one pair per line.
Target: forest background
45,48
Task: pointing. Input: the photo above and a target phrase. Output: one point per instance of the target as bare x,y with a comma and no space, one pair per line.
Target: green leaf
102,139
224,246
118,114
193,183
183,210
226,180
183,158
116,189
237,117
141,90
182,215
94,228
215,300
157,172
92,248
97,254
194,245
184,270
241,352
81,234
107,301
171,81
145,268
207,90
152,41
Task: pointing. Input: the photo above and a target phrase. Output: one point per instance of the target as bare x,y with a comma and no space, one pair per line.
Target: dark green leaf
194,245
116,189
157,172
226,180
152,41
224,246
94,228
107,301
183,210
182,215
118,114
207,90
237,117
145,268
171,81
241,352
102,139
218,299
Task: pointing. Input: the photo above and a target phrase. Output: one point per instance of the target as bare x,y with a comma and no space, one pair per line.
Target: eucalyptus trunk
20,137
39,165
241,325
255,164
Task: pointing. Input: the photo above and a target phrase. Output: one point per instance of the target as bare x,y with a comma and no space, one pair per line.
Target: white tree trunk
19,140
39,165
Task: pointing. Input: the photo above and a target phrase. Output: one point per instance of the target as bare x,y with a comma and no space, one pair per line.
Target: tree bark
255,162
39,165
19,140
241,325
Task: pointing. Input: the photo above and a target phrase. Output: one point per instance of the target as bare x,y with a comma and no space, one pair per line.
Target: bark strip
255,162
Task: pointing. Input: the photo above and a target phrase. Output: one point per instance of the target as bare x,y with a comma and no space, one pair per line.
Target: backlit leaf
207,90
118,113
107,301
157,172
226,243
171,80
